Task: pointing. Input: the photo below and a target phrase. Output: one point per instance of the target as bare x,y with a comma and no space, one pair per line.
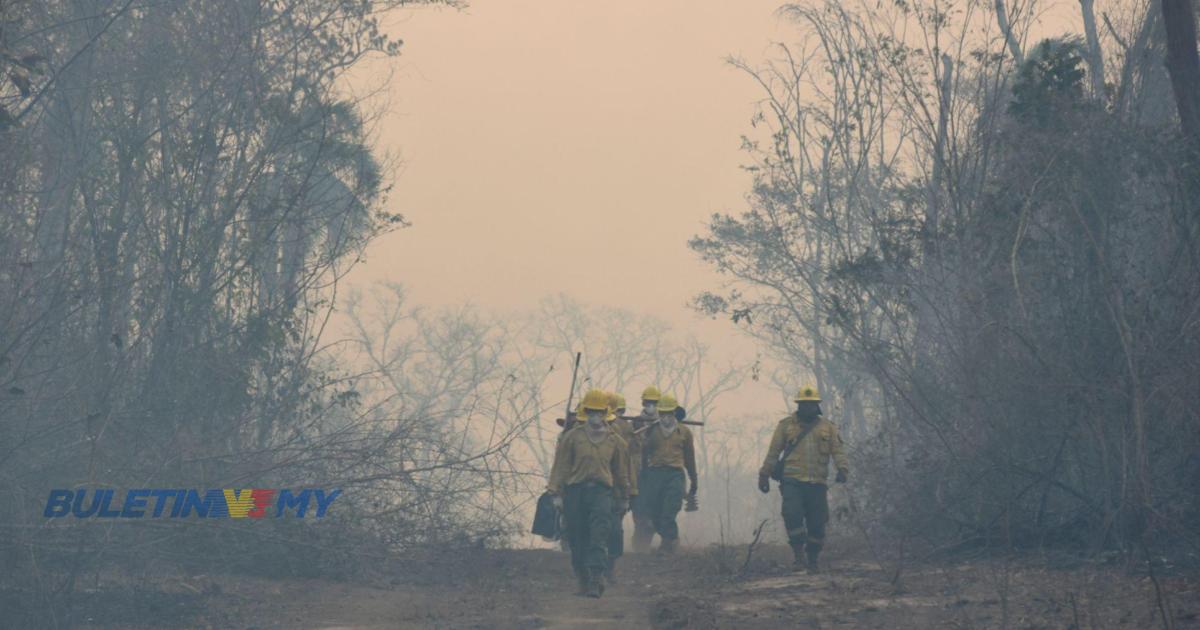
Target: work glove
841,476
558,503
764,484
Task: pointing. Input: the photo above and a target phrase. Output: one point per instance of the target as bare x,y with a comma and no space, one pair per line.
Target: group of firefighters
607,464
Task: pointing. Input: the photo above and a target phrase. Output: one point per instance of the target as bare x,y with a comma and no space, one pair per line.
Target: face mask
595,419
650,410
807,411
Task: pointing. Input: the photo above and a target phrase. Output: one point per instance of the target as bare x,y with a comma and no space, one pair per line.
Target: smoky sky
569,146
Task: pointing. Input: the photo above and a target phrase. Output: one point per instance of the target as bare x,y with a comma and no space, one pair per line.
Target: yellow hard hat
651,393
809,393
667,403
616,401
595,400
608,405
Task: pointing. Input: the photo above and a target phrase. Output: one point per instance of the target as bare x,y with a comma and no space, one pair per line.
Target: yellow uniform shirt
809,461
577,459
674,450
624,429
639,439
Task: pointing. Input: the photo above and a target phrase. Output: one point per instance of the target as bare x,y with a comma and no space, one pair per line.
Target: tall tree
1183,63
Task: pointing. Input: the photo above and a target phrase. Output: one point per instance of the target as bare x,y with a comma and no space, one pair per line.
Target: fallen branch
752,545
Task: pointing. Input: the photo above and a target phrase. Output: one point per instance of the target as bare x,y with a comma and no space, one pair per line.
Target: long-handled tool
562,422
680,414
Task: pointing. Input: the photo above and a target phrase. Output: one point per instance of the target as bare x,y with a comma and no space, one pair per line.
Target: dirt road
703,588
698,588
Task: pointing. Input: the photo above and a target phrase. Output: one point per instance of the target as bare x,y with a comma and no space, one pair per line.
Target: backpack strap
804,431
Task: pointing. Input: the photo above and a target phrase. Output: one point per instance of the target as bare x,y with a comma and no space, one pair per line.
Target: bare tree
948,242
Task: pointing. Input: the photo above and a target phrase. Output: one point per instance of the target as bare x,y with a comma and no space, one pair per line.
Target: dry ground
699,588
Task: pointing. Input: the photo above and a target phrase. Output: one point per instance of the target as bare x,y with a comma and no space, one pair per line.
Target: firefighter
805,441
590,475
668,451
573,419
569,422
624,429
643,524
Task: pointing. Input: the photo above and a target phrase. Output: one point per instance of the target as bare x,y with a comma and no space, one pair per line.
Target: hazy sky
570,146
566,146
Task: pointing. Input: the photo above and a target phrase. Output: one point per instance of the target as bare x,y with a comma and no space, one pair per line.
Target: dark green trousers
661,491
587,509
643,524
805,512
616,537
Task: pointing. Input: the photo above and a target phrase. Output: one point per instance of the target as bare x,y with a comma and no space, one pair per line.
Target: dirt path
644,581
699,588
494,589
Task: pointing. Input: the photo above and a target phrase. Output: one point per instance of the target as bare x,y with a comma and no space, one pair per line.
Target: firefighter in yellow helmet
617,402
798,459
668,451
643,523
624,429
590,481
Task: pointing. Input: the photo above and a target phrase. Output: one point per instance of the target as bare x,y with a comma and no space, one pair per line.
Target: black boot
812,552
798,562
581,576
595,584
610,572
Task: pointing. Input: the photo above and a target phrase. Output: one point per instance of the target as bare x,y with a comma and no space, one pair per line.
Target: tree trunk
1141,93
1095,57
1014,46
1183,64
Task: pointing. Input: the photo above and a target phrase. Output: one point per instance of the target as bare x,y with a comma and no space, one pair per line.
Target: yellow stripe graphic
239,501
